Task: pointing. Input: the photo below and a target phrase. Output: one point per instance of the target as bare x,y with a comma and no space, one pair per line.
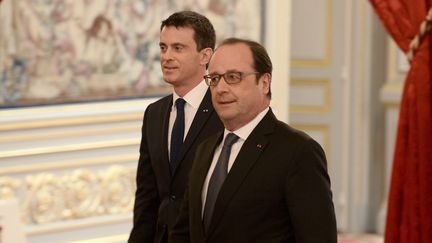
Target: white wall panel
310,29
72,167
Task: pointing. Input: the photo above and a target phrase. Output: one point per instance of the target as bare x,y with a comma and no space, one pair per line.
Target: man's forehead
172,28
239,49
174,35
232,53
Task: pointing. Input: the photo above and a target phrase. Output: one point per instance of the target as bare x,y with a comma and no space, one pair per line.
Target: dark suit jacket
160,192
278,190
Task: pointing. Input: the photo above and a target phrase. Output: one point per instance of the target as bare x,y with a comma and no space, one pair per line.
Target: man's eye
234,76
214,78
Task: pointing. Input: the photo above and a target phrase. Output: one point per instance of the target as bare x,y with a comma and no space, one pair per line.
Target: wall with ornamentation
72,168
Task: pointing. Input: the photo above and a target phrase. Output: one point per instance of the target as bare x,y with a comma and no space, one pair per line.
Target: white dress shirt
193,100
243,133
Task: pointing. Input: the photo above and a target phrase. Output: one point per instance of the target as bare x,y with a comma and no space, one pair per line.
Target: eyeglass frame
208,77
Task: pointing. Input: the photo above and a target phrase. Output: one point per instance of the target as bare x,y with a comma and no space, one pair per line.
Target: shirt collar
244,131
194,96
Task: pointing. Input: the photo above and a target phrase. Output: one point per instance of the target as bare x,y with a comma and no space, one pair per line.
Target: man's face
180,61
237,104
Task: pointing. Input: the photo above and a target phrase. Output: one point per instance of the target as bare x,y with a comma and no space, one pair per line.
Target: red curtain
409,213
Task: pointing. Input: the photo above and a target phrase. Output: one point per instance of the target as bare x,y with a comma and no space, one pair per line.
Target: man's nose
166,55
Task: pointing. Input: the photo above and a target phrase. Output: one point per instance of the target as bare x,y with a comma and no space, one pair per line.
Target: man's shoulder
289,133
294,141
280,130
162,102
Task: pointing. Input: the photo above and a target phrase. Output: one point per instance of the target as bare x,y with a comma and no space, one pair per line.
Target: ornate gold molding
325,107
8,187
81,193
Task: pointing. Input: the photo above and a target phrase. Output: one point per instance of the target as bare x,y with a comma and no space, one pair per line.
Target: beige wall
344,91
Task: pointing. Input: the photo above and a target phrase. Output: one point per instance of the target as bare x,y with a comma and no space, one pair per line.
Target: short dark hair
261,60
205,36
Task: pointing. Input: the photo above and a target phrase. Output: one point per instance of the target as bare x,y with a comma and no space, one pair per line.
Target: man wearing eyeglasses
259,180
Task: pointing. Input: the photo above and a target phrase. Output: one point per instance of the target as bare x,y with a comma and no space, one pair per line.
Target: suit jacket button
173,198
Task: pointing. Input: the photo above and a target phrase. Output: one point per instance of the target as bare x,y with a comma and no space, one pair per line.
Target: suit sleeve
146,197
309,196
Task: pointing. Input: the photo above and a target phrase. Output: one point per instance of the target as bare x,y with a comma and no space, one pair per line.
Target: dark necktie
177,132
217,178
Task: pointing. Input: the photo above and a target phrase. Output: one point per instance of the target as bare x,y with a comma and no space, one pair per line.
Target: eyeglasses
229,77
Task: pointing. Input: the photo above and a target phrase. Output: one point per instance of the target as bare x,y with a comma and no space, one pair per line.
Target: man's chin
169,80
225,115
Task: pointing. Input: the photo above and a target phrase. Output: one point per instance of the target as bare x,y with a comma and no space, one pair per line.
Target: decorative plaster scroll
81,193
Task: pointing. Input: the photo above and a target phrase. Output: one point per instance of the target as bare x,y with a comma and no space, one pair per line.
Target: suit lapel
200,171
248,155
202,115
166,111
205,159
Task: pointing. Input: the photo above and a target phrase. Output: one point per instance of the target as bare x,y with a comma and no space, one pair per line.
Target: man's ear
206,54
266,82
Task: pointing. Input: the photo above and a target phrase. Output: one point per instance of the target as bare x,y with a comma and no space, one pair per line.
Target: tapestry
61,51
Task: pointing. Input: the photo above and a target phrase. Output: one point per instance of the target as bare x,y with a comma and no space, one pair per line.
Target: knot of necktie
230,139
179,103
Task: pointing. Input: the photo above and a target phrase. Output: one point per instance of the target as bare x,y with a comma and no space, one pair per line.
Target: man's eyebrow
172,44
232,71
178,44
227,71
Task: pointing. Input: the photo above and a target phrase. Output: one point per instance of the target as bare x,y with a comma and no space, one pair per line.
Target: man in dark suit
174,125
260,180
